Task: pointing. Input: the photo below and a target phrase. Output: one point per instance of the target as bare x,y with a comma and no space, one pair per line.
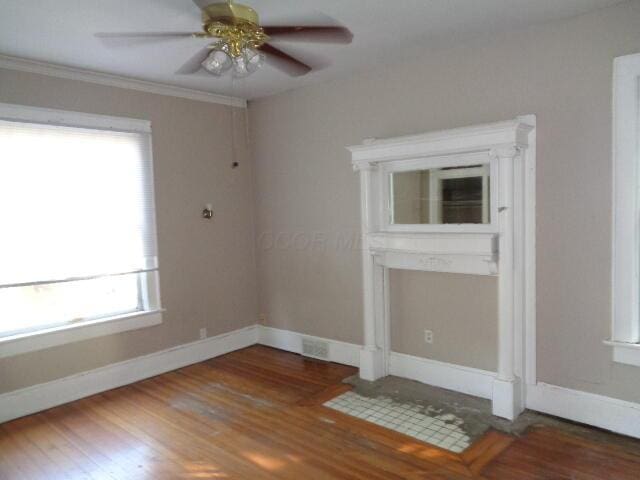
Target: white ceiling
62,32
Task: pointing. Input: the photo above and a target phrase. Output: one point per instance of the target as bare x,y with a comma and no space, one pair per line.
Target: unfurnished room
320,239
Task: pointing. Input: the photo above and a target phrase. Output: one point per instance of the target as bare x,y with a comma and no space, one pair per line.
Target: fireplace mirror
440,194
449,195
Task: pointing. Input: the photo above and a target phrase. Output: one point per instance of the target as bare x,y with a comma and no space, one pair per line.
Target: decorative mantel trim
474,254
513,133
503,247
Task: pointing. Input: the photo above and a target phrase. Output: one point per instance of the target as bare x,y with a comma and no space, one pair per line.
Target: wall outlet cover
428,336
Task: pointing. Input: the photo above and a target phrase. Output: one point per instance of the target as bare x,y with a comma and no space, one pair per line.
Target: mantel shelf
435,243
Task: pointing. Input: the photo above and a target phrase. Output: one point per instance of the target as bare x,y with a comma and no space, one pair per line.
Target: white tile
424,424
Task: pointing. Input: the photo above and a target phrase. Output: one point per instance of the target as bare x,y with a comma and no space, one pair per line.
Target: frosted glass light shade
217,63
250,61
254,59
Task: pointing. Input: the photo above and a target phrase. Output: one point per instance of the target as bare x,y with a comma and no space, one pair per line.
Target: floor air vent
315,349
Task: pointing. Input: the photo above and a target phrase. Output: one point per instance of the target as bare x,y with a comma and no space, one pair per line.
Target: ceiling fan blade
194,63
133,39
145,34
327,34
284,62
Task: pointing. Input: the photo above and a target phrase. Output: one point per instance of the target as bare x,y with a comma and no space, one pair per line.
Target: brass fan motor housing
235,25
230,13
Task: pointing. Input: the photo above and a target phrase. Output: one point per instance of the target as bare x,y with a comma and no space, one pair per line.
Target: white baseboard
597,410
453,377
46,395
471,381
339,352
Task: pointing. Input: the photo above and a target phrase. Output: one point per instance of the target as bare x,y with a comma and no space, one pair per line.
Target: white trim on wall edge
627,353
458,378
339,352
90,76
75,332
608,413
57,392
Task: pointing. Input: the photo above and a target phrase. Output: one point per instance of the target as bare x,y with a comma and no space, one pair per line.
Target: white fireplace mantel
504,246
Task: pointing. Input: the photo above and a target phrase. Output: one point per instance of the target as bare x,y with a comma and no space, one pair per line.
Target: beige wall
305,185
458,309
207,269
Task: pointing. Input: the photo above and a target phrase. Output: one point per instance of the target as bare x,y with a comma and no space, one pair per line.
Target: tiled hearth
441,430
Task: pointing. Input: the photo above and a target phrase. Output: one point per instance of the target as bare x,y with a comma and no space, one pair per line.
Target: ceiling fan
241,44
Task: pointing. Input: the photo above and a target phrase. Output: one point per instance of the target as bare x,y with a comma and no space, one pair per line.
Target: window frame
149,282
625,295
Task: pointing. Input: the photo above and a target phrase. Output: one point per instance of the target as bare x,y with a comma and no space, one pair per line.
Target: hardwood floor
257,414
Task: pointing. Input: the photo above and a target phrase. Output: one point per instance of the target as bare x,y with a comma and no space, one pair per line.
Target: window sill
627,353
39,340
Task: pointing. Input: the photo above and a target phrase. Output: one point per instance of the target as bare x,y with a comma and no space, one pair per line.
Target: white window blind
78,223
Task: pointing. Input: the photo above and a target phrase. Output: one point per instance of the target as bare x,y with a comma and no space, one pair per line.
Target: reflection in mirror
454,195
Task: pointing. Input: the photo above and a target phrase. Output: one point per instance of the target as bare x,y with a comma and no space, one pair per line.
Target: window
78,243
626,235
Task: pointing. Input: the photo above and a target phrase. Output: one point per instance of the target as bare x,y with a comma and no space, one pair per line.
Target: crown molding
53,70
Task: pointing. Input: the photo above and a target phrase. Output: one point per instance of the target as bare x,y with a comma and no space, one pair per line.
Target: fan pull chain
234,154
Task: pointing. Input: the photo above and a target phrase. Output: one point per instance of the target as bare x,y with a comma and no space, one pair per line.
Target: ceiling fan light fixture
249,62
218,61
241,42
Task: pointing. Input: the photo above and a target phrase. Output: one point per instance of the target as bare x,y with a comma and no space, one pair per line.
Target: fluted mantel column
372,363
506,385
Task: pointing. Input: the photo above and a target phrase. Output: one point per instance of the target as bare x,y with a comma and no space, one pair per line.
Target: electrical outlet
428,336
203,333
